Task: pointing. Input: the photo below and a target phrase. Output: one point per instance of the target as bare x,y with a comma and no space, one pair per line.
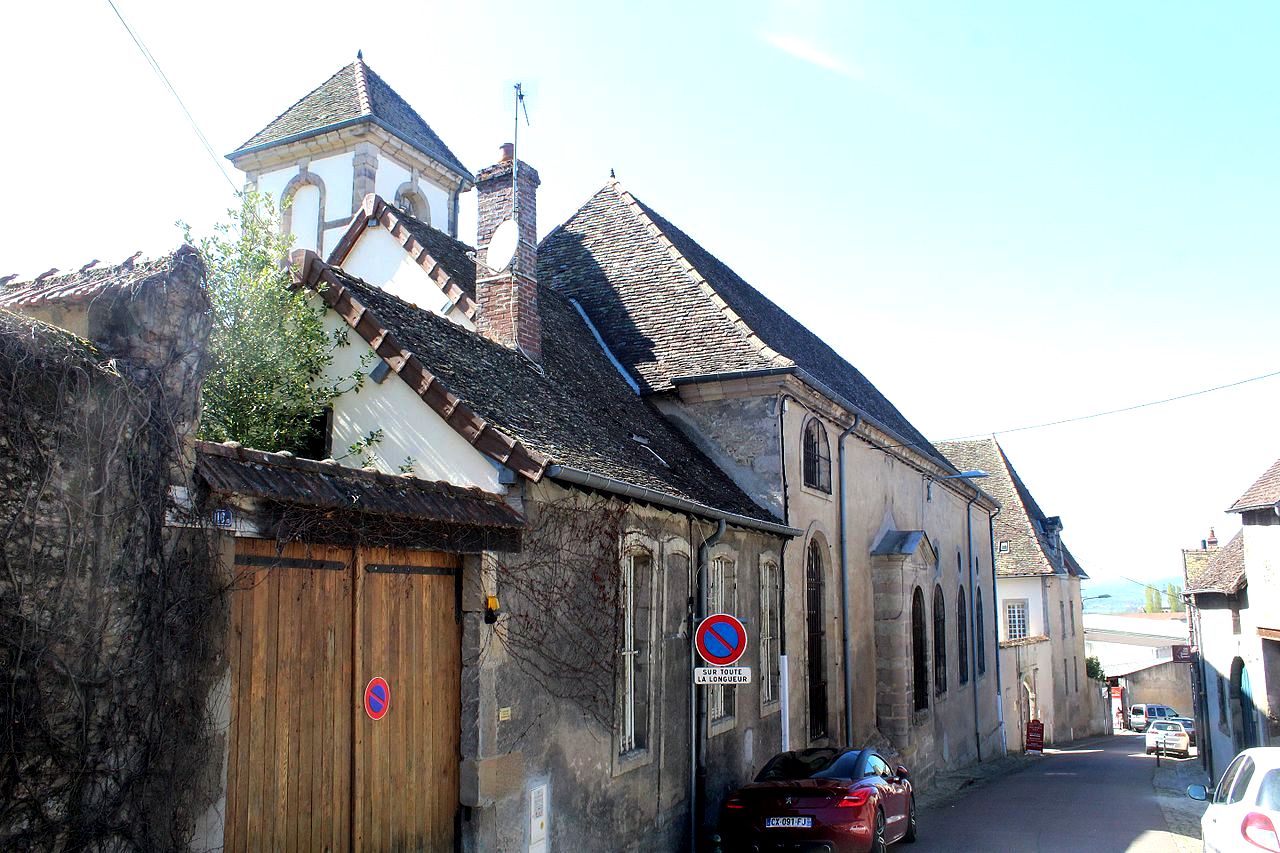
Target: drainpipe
844,587
784,672
972,651
697,740
995,622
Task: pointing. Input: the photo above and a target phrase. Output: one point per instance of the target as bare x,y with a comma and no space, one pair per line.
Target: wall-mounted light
490,609
975,474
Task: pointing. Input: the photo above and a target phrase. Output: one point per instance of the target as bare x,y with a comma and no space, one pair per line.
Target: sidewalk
1169,782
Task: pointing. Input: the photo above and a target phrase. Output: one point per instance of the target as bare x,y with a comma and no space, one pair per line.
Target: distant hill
1126,596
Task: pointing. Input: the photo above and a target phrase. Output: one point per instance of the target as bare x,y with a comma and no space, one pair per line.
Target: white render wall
1031,589
378,259
410,428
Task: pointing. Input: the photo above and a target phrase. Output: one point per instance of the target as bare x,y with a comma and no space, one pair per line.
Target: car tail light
734,804
855,798
1259,831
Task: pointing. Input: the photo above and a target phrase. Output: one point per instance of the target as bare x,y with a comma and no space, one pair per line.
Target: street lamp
1104,595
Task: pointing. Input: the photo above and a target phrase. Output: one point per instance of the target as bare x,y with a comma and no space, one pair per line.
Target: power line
1132,408
155,66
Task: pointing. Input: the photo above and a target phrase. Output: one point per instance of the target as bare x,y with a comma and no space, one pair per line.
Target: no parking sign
377,698
721,639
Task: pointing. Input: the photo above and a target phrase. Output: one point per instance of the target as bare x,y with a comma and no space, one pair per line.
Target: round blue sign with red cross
377,698
721,639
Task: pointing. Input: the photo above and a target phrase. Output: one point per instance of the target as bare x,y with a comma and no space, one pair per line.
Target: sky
1004,214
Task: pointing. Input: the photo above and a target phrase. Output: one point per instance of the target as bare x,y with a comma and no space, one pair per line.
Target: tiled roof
354,93
232,470
572,410
1021,522
1263,494
449,262
1194,562
1224,572
92,282
667,308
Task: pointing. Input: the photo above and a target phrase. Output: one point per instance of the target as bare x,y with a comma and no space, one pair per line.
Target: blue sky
1003,214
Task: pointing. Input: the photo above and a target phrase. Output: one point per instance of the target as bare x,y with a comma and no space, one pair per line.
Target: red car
820,800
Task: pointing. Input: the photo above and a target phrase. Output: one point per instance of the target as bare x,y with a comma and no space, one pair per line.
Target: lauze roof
667,308
1263,494
92,282
354,93
1021,521
572,409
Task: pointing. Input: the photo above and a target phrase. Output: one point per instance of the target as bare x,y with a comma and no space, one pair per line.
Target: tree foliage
268,349
1093,668
1174,594
1153,600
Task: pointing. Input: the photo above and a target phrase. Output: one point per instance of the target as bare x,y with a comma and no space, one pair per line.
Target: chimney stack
1212,541
507,283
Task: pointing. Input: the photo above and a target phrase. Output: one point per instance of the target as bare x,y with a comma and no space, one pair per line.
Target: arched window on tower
817,456
919,663
939,642
962,637
411,202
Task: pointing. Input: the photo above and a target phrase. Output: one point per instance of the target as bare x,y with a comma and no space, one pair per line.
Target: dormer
349,137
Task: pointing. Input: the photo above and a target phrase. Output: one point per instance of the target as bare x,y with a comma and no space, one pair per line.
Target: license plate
801,822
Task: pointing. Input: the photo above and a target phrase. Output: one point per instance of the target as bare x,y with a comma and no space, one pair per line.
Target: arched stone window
939,642
770,631
722,597
962,637
817,456
411,201
302,210
919,663
981,639
814,573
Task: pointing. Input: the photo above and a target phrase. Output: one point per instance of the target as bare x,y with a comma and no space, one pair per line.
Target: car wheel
912,831
877,840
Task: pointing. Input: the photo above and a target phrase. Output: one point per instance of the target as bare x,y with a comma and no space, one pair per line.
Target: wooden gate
308,769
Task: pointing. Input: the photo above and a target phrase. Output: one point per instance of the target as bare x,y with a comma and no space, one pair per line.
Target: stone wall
108,621
534,718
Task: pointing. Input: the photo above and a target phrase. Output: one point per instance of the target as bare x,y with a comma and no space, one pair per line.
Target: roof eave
466,179
622,488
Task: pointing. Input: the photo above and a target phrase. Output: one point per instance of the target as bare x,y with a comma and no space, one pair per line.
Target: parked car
842,800
1143,715
1189,725
1169,737
1244,807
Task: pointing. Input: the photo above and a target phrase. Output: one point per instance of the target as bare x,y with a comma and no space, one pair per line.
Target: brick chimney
508,296
1212,541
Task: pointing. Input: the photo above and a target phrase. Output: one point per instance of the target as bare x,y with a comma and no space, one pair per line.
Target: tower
351,136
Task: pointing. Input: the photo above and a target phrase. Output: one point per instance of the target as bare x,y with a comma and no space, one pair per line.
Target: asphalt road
1095,797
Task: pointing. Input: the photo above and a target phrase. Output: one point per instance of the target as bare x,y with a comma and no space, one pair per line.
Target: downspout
995,623
698,783
844,587
972,651
784,671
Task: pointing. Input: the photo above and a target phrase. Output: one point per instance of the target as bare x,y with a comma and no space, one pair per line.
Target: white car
1169,737
1244,808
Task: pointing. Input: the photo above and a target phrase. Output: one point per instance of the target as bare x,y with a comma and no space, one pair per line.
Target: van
1143,715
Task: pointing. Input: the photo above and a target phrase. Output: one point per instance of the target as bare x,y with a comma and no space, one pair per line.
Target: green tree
268,347
1153,600
1174,592
1093,668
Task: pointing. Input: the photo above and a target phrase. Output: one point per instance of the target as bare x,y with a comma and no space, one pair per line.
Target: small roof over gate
324,501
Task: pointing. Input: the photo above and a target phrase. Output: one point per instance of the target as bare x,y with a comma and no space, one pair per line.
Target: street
1095,796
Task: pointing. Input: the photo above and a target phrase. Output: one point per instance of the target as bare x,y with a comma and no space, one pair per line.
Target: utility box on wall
538,820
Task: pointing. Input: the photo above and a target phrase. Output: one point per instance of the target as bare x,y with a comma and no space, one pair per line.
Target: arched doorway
1244,717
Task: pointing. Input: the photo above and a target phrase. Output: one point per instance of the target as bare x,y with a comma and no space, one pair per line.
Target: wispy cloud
807,51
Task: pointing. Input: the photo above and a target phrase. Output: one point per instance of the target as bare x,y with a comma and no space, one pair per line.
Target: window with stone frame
1015,619
722,597
815,624
919,652
939,642
634,664
770,629
1062,617
962,636
981,639
817,456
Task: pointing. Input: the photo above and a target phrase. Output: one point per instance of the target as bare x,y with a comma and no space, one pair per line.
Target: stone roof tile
1224,570
1263,494
668,308
355,92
